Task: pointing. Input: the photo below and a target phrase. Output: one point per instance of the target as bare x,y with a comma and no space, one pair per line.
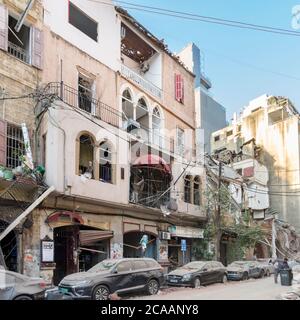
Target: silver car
15,286
267,266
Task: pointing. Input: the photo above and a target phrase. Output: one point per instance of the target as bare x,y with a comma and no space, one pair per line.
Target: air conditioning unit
145,67
164,235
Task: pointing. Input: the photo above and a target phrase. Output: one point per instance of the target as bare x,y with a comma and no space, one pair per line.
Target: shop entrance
78,248
132,246
9,248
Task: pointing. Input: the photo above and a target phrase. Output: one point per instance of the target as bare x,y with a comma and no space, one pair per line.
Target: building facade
268,130
113,124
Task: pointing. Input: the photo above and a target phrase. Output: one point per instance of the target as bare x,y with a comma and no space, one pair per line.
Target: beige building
268,130
114,127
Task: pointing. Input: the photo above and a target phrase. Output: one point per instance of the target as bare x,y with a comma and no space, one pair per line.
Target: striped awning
88,237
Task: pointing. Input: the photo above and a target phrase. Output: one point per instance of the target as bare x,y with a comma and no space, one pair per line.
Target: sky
241,64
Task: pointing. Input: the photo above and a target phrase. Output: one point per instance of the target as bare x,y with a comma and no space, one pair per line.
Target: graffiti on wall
116,251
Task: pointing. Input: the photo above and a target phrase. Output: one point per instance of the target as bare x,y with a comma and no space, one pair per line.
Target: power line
205,19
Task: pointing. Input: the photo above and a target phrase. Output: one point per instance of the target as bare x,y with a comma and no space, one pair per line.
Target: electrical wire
205,19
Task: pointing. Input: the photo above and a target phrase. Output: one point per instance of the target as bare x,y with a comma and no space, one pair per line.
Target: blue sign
183,245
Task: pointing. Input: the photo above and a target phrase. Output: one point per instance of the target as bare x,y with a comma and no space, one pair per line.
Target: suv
114,276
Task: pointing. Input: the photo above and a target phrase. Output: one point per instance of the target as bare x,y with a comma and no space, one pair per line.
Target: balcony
75,99
139,80
18,52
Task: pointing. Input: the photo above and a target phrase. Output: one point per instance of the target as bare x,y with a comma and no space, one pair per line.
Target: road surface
260,289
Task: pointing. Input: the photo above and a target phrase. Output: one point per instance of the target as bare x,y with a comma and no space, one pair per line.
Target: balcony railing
145,84
18,52
78,100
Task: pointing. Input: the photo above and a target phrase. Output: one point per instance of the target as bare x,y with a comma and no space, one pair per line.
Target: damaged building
267,134
112,122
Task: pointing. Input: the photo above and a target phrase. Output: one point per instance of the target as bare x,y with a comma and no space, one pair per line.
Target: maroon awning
154,161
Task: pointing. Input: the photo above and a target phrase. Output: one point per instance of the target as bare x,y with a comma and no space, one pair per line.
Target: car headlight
187,277
83,283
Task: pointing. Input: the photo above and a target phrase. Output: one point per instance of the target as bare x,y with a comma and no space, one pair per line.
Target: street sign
183,245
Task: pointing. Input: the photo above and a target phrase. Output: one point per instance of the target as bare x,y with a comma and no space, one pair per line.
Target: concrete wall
107,49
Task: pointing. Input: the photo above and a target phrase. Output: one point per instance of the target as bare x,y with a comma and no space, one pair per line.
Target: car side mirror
115,271
205,269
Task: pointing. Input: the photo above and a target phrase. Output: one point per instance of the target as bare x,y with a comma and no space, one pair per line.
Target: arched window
86,156
188,189
142,117
127,107
197,191
156,127
106,164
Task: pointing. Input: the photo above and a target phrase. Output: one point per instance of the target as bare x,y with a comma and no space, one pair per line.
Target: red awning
152,160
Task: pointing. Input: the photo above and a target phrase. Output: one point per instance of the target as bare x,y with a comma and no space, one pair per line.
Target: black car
198,273
114,276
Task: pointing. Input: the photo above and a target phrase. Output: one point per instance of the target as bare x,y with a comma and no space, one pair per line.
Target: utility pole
274,253
218,216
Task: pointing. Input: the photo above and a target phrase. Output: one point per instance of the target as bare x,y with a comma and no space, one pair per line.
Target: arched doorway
77,248
9,246
132,246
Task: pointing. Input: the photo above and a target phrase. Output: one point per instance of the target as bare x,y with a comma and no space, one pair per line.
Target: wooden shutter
3,27
37,48
3,142
179,88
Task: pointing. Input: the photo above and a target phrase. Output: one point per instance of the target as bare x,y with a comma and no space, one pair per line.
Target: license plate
173,281
63,290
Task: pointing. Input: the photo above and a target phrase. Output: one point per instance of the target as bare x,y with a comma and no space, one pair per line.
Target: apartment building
112,121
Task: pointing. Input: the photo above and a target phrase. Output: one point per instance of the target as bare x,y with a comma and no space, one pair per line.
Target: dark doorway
76,253
9,248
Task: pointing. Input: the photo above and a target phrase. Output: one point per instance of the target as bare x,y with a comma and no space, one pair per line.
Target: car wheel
224,279
197,283
152,287
101,293
245,276
23,298
262,273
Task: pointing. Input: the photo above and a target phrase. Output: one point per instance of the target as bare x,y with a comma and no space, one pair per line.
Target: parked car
15,286
197,273
243,270
267,265
114,276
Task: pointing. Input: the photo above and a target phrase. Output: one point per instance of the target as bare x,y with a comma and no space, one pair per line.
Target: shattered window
85,93
197,196
105,162
187,189
86,156
15,146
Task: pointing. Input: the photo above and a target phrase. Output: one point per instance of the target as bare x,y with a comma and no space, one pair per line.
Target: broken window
18,42
188,189
196,191
15,146
86,156
106,166
277,116
85,93
128,111
229,133
83,22
180,141
156,127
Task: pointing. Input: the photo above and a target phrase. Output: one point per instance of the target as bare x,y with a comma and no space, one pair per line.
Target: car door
253,270
7,285
141,274
206,273
124,276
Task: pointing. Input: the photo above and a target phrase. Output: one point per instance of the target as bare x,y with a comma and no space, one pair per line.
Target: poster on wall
163,252
47,250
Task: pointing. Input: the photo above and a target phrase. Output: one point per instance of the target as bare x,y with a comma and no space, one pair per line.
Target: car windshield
194,265
238,264
103,266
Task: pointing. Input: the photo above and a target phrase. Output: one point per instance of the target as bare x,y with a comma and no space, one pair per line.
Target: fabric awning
88,237
152,160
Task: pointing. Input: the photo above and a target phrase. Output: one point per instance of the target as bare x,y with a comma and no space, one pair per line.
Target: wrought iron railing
18,52
81,101
145,84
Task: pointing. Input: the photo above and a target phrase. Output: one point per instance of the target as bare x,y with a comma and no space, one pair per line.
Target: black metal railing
79,100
